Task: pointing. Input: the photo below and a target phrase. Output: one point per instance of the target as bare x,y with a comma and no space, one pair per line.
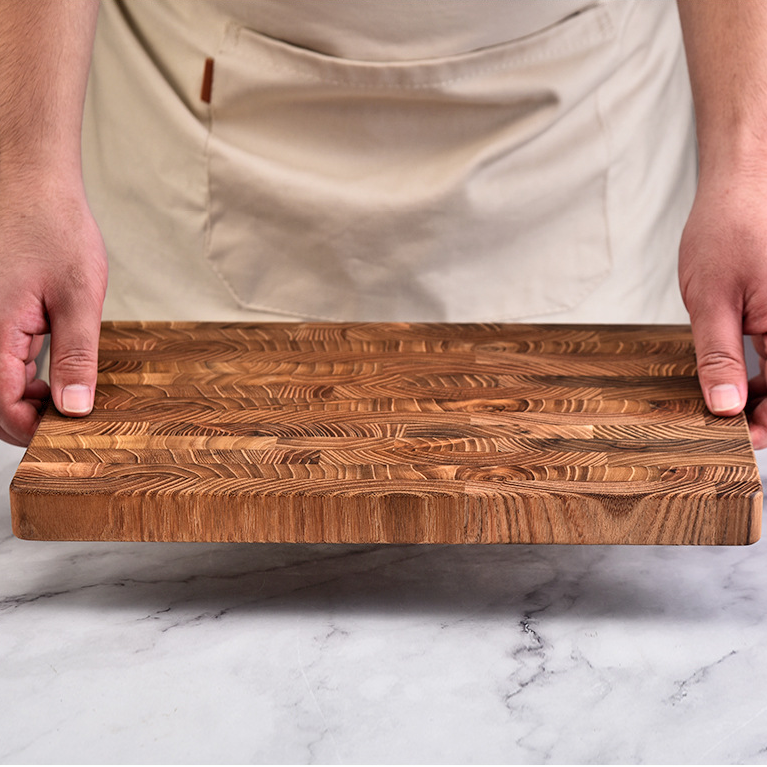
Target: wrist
736,151
25,183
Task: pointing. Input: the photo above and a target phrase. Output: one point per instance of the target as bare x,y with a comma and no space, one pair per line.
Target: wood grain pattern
392,433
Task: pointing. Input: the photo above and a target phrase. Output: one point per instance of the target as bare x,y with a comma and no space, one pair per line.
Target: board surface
396,433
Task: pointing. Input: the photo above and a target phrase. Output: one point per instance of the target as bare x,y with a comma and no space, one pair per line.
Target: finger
30,371
37,390
35,348
74,355
757,386
11,439
20,425
757,422
758,342
37,394
19,416
718,336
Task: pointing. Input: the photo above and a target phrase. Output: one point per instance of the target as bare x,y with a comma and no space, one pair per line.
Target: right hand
53,276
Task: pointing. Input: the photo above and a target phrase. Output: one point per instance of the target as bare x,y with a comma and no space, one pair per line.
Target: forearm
725,42
45,51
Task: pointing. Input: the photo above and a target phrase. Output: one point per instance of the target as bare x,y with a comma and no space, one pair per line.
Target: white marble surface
199,653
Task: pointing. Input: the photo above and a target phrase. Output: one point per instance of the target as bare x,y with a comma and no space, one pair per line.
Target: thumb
722,373
74,358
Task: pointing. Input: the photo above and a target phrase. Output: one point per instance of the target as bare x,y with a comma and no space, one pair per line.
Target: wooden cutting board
401,433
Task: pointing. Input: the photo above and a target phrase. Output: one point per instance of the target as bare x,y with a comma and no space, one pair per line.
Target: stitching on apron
600,113
209,232
606,29
608,144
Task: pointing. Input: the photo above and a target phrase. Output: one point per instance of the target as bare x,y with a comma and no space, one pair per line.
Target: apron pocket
464,188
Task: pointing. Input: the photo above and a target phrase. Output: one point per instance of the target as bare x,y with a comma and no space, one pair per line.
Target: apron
532,165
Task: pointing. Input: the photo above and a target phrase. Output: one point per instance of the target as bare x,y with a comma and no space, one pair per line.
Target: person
379,159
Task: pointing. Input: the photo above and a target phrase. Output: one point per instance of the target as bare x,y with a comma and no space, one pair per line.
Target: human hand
757,394
53,272
723,277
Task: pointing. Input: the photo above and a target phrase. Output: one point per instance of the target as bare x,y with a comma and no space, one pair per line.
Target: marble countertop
210,653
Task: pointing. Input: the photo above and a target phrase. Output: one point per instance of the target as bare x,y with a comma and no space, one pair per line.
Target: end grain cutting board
392,433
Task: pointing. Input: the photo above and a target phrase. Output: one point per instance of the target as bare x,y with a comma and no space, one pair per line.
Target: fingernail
76,398
724,397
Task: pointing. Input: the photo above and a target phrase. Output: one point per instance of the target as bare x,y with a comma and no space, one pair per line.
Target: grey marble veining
201,653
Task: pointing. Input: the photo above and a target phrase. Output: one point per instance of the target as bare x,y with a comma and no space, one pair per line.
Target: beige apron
533,167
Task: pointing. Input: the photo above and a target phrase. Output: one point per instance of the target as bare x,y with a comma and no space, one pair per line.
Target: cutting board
392,433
